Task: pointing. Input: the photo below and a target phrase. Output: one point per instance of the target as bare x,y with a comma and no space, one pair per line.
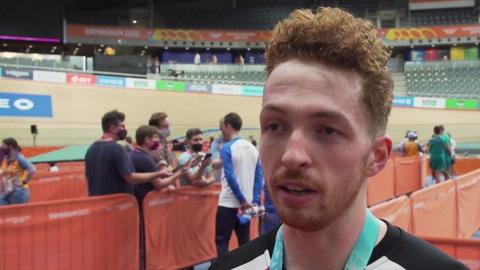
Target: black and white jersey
398,250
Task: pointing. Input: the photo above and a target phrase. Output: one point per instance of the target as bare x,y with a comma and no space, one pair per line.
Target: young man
107,165
241,185
148,139
202,174
162,156
323,119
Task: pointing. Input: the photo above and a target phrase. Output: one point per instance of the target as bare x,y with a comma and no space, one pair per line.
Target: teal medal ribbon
361,252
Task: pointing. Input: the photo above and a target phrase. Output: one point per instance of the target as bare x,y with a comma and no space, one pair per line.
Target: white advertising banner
141,83
226,89
423,102
49,76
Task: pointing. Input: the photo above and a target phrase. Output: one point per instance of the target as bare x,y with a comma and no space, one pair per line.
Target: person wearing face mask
148,139
15,173
202,174
162,156
108,167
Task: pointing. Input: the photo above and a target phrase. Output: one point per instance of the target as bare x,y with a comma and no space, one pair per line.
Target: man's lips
295,194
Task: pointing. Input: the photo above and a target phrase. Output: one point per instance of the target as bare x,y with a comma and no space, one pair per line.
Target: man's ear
379,155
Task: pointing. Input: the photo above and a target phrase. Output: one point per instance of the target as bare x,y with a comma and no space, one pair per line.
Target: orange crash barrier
61,189
381,187
465,250
396,211
434,210
466,165
180,227
408,175
468,203
81,234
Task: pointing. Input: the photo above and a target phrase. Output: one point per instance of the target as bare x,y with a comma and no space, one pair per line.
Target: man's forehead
308,72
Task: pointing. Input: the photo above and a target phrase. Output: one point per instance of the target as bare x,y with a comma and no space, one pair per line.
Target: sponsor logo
80,79
13,104
110,81
69,214
23,104
17,73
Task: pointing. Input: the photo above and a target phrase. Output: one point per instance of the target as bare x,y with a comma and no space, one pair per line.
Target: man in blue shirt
108,167
241,185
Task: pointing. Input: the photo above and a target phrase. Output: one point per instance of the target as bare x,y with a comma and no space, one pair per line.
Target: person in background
108,167
453,146
214,59
53,167
241,185
148,139
16,172
270,221
197,59
202,174
215,148
439,150
252,140
412,148
162,156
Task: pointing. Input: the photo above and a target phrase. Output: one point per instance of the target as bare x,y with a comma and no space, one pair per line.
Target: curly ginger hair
335,37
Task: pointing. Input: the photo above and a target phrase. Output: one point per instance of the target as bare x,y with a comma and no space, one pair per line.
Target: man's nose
297,152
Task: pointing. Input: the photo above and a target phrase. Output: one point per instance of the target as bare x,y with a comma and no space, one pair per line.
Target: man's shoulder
401,248
248,254
101,145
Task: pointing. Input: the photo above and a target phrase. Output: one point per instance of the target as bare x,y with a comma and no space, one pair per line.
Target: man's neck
109,137
329,247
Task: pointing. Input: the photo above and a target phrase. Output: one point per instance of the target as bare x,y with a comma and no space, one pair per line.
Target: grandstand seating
456,79
444,17
232,77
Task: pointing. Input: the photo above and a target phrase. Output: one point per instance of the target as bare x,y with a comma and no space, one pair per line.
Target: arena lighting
30,46
228,49
134,21
79,44
248,49
187,48
208,49
4,44
19,38
166,48
101,45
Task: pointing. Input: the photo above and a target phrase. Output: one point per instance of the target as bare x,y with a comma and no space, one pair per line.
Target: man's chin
304,222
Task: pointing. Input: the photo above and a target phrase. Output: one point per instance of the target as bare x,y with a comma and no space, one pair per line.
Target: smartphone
208,155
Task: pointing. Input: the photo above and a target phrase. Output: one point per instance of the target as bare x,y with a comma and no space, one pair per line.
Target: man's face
196,139
152,142
315,142
119,131
224,129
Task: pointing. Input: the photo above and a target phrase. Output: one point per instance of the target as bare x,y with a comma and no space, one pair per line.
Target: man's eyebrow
272,108
319,114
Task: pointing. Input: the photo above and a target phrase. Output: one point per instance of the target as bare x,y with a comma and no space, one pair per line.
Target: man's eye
273,127
328,131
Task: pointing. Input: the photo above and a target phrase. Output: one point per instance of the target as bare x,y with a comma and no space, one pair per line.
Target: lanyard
359,256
